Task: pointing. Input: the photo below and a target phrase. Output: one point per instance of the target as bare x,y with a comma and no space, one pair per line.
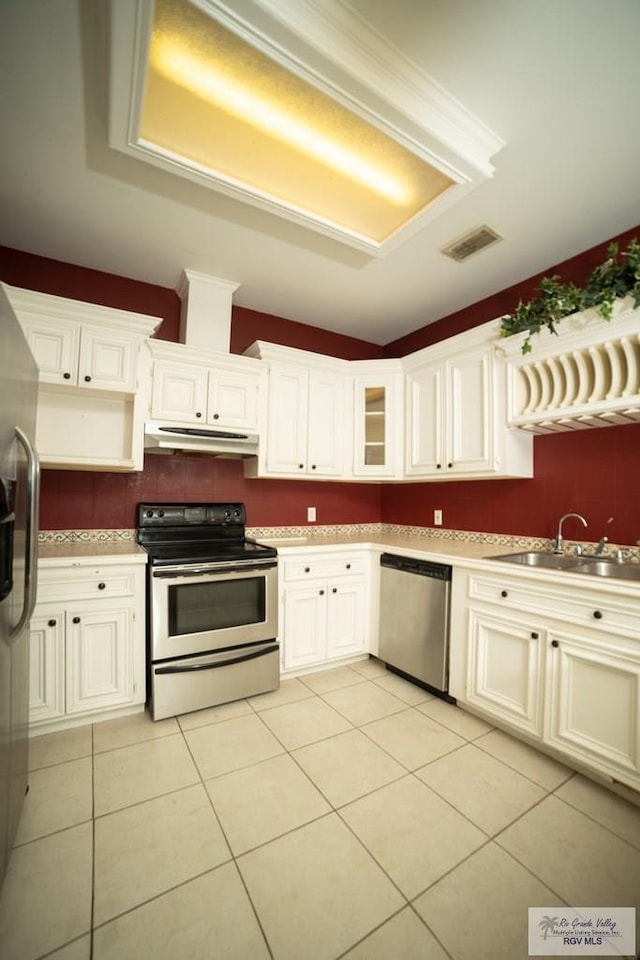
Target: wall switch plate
437,518
311,514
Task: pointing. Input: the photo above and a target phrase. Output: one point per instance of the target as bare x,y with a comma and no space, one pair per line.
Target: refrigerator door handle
32,499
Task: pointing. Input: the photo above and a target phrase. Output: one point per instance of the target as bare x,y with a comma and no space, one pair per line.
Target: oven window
200,607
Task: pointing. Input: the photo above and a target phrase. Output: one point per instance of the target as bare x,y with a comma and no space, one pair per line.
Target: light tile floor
347,815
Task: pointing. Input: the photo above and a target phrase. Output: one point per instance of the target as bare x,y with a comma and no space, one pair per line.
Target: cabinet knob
198,414
449,465
313,466
504,593
51,623
534,635
348,566
216,416
307,569
101,586
321,593
76,620
438,466
87,379
597,614
301,466
66,376
555,643
334,590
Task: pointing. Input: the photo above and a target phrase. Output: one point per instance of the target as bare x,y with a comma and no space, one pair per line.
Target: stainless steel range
212,607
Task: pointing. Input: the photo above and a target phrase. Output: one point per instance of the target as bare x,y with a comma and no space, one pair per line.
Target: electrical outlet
437,518
311,514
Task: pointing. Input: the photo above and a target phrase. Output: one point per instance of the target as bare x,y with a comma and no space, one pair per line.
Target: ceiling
556,80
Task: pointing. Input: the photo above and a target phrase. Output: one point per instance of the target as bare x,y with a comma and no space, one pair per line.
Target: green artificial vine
617,277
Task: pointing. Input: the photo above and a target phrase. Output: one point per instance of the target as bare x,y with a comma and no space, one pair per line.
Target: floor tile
78,950
50,748
122,732
225,711
288,692
540,768
455,718
486,791
479,910
232,744
347,766
317,891
142,771
583,862
263,801
46,897
613,812
297,724
58,797
325,680
409,692
363,703
412,833
404,937
210,916
370,668
412,739
147,849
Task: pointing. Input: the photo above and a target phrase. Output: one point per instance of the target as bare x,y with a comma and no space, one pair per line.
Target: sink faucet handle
601,545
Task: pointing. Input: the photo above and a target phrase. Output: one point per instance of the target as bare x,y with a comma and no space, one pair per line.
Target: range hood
170,438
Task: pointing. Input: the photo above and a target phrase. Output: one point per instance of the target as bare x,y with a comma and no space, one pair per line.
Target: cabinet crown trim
61,308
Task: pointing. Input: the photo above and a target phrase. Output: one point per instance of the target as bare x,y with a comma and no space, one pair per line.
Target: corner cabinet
456,412
378,419
559,664
324,608
307,428
87,657
199,387
93,380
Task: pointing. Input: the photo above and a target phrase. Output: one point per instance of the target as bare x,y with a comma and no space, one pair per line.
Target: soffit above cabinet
224,97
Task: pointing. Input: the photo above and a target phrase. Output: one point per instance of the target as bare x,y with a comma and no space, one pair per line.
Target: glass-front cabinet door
378,430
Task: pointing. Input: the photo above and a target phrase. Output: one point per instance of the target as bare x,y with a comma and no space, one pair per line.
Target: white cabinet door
305,626
594,708
179,392
326,406
377,426
346,618
47,666
233,399
99,658
426,422
504,670
288,419
56,348
470,422
108,360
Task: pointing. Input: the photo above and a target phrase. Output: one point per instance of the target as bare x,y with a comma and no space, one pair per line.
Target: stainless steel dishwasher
414,619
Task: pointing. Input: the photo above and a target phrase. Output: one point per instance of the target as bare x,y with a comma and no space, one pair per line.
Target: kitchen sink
533,558
591,566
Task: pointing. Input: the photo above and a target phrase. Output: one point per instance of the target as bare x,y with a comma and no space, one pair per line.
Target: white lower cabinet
559,663
324,609
87,645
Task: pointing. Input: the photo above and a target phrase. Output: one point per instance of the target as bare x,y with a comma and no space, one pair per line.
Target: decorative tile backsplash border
359,530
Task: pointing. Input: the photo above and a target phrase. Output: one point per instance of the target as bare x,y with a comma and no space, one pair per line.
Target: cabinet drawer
55,586
323,568
586,606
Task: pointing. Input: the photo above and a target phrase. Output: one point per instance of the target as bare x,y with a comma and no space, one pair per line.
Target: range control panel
190,514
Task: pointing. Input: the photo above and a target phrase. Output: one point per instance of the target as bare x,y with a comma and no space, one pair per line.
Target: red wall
591,472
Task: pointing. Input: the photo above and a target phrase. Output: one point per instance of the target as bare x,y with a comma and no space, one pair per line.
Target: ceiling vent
472,242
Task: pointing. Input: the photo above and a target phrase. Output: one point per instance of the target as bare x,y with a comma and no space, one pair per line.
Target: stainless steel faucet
558,546
602,542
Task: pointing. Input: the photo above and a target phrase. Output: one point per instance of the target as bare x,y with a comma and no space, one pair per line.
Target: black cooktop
197,533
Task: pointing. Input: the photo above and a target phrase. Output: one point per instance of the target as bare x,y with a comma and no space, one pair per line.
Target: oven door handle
170,573
197,667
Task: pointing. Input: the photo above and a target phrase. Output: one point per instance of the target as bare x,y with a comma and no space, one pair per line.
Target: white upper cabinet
194,387
308,416
378,421
93,380
455,412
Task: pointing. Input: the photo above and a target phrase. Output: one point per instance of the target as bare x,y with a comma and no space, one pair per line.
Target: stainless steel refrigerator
19,487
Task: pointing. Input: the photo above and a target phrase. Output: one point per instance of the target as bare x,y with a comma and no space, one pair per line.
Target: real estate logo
582,931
